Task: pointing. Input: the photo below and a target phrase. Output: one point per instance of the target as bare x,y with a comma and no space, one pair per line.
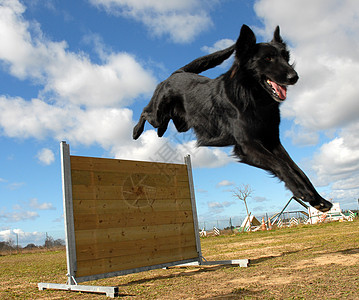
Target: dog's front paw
322,205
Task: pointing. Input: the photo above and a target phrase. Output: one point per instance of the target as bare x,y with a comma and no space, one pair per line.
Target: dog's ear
276,36
245,41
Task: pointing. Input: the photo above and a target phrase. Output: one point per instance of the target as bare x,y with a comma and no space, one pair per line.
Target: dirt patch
264,280
329,259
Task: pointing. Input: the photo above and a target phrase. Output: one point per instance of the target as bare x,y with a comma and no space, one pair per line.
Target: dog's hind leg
140,126
163,127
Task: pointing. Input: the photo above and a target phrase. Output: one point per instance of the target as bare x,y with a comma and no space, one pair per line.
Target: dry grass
306,262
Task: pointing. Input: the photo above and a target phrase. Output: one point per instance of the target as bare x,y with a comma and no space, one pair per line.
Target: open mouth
279,92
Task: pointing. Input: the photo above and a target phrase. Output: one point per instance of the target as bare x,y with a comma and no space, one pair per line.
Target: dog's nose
292,77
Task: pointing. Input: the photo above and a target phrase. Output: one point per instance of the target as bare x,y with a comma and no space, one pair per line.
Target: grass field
305,262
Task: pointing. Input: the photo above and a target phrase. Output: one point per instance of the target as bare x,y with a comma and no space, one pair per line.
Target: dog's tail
207,62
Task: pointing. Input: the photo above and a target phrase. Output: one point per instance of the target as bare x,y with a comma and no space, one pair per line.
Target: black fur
239,108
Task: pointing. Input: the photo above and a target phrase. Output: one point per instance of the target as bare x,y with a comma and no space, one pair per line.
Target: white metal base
237,262
110,291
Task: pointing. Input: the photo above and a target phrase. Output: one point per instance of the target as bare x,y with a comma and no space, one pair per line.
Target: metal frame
72,281
68,213
201,260
187,160
293,198
136,270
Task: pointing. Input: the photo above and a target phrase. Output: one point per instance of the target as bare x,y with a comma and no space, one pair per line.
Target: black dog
239,108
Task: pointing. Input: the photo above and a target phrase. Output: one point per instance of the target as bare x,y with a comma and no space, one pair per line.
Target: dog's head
267,63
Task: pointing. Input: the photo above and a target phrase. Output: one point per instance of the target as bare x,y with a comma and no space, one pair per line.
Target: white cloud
302,136
326,96
325,48
46,156
70,76
118,80
17,216
5,234
219,45
337,161
147,147
34,203
219,205
182,20
106,126
25,211
206,157
225,183
152,148
59,219
15,185
260,199
21,118
346,198
38,119
215,205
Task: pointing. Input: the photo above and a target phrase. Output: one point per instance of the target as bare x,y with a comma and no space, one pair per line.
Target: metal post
187,161
282,210
68,213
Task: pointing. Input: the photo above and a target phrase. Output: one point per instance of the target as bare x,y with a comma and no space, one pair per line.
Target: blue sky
82,71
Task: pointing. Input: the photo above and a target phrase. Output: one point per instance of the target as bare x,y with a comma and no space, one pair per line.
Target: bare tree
49,241
242,193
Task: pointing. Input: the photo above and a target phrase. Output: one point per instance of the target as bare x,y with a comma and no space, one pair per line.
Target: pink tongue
281,91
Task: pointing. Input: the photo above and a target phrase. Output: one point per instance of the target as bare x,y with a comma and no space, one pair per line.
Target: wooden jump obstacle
124,217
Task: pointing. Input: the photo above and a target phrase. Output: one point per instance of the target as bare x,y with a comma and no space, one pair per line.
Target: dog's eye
268,58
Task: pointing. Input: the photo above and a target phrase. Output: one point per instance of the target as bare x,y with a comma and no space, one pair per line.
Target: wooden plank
136,248
81,177
130,219
84,192
107,206
132,233
107,265
116,165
